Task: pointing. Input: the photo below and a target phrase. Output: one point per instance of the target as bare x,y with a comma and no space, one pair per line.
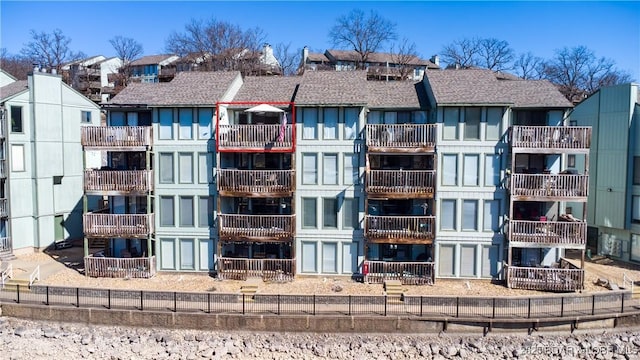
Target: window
58,227
309,169
205,211
187,254
330,120
494,122
204,123
351,123
186,123
85,116
468,260
186,211
446,260
330,169
329,213
449,169
491,215
472,123
117,119
492,170
469,215
167,252
16,119
186,168
635,211
635,247
450,129
489,261
206,254
309,215
350,214
470,177
166,124
309,123
636,169
351,169
329,258
166,168
166,211
308,257
448,218
204,174
17,158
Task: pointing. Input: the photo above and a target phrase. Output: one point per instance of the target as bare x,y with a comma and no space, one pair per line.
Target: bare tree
127,50
488,53
288,60
16,65
50,50
361,33
528,66
404,54
218,45
461,53
578,72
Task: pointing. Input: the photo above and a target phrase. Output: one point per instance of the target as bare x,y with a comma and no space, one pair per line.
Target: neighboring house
41,162
93,77
379,66
503,147
614,189
247,62
153,68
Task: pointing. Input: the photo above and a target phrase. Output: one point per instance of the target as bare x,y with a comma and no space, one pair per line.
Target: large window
448,218
472,123
16,119
492,170
204,171
330,120
330,169
310,123
166,168
187,254
186,168
494,122
329,213
350,214
186,210
449,169
309,168
308,257
205,211
451,118
351,169
468,260
186,123
166,211
166,124
351,123
17,158
329,258
491,215
470,177
469,215
309,213
204,123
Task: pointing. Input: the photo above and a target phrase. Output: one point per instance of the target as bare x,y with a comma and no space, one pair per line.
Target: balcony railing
401,137
551,137
409,273
524,233
409,183
125,181
274,227
116,136
257,182
399,228
272,137
118,225
6,246
549,185
142,267
3,207
546,279
267,269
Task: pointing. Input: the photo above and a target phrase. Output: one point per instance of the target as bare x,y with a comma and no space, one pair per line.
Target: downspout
34,168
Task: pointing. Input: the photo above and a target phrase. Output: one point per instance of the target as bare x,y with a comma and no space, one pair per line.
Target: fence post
457,306
562,306
109,299
278,304
175,301
493,315
77,297
593,304
18,293
622,306
208,303
529,309
385,305
141,301
47,303
420,305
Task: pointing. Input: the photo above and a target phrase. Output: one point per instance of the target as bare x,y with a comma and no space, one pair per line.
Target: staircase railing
35,275
6,274
627,282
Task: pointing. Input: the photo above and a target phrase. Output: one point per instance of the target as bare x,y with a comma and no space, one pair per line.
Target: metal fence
433,306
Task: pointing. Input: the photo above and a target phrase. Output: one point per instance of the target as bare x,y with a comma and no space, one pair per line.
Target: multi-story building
153,68
93,77
614,165
41,161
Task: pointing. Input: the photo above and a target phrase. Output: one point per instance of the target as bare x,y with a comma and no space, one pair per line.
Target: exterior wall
317,246
464,252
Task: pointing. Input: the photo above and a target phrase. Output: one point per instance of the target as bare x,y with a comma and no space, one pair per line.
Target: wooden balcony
409,273
400,229
568,235
142,267
256,183
84,85
267,228
409,138
267,269
545,279
3,208
551,139
255,138
549,187
118,182
6,245
118,225
117,138
401,183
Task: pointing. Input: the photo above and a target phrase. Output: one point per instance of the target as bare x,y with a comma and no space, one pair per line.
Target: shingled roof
151,59
396,94
12,89
484,87
378,57
333,88
187,88
268,88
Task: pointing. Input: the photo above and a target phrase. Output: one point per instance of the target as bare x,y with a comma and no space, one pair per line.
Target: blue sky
610,29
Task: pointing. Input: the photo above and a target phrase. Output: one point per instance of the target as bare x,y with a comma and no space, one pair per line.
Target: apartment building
93,76
614,165
41,161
